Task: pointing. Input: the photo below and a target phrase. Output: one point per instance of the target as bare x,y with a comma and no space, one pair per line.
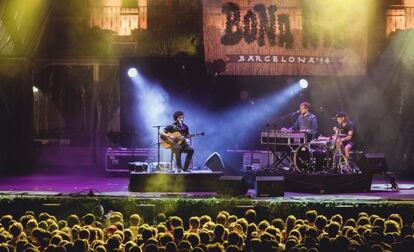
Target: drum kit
293,152
322,155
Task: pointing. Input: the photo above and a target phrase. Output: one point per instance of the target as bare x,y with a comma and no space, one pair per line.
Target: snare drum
323,138
322,143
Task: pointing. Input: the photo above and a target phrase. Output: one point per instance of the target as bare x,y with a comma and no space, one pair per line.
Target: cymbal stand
339,161
269,149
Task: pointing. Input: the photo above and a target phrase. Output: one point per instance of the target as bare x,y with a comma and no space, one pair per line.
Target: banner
286,37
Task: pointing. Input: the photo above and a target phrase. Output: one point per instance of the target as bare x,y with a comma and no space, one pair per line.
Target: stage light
35,89
303,83
132,72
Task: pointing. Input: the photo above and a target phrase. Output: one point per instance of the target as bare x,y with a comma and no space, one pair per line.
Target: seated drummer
306,122
345,133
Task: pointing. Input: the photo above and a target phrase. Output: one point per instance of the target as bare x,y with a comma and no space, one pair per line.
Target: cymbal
323,138
341,135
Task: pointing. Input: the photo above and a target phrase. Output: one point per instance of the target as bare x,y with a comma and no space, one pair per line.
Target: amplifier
256,159
118,159
373,163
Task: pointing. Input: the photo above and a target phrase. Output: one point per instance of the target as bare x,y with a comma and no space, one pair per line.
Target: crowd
101,232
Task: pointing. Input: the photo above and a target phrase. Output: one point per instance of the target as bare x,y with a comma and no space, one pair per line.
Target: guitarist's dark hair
177,114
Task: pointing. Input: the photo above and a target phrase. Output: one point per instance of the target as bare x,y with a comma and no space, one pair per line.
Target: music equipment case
118,159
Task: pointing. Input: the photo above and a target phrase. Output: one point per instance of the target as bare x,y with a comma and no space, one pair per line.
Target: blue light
132,72
303,83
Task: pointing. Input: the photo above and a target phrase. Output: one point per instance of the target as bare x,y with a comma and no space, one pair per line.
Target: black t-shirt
350,126
174,127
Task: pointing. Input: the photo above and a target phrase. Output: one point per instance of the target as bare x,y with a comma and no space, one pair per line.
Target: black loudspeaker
270,186
373,163
232,185
214,162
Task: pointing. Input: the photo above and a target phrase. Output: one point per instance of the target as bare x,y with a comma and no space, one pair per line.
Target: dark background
74,107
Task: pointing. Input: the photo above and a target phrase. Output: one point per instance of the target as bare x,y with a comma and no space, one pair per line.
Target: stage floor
117,186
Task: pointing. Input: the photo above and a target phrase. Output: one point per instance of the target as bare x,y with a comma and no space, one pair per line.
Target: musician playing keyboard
179,126
306,122
345,133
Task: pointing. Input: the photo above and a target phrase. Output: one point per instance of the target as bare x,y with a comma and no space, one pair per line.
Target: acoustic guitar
176,138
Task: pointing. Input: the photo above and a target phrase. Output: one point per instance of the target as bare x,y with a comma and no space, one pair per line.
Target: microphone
296,112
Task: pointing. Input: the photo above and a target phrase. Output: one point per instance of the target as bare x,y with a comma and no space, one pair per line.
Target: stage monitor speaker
373,163
215,163
270,186
232,185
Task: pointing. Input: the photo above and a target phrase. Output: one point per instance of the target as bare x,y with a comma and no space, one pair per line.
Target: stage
117,186
65,194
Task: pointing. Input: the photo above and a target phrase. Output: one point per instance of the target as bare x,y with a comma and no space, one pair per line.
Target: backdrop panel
286,37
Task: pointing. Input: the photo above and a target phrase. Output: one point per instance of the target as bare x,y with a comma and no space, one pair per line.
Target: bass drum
307,159
302,158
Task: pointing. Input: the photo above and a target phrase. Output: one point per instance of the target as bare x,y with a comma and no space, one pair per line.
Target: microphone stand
158,144
275,122
268,145
286,116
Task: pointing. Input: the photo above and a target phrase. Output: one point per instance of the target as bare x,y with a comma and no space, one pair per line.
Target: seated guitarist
177,149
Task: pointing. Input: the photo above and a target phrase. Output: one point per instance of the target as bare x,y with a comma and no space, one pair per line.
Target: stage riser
333,183
173,182
209,182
